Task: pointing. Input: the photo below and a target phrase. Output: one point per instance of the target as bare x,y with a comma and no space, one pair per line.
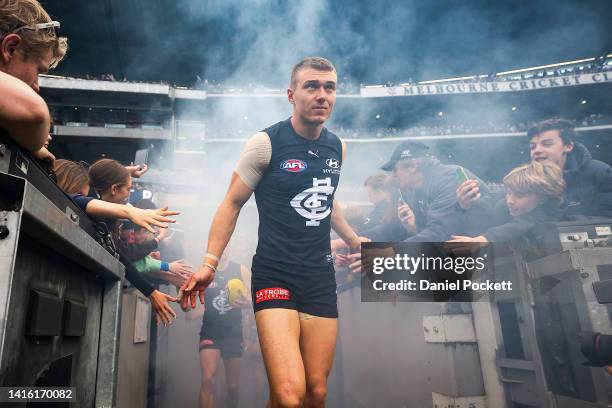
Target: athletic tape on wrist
212,256
214,268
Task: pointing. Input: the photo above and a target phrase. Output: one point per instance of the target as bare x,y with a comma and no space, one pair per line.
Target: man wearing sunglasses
29,46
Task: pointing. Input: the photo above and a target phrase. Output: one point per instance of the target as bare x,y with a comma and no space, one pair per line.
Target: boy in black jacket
534,194
588,182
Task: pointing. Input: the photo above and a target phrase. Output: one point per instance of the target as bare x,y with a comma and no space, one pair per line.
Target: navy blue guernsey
295,198
218,313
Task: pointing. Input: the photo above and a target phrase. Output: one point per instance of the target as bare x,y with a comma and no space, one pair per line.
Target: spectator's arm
141,217
511,230
147,265
23,113
443,215
138,251
135,278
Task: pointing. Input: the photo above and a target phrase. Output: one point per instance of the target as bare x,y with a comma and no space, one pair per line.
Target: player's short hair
564,126
376,181
317,63
540,178
21,17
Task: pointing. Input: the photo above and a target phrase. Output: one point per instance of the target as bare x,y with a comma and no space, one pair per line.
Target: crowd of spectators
419,199
460,128
489,127
102,189
30,45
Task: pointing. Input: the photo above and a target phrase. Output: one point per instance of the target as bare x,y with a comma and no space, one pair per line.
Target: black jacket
516,227
438,216
589,184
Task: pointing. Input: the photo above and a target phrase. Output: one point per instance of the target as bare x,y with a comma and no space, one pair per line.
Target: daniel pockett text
429,272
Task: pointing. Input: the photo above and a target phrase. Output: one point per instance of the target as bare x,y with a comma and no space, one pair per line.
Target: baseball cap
406,150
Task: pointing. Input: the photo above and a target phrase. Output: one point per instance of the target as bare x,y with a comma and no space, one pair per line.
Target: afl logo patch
333,163
293,165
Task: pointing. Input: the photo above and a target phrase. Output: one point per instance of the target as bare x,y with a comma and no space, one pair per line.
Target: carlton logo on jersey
221,303
314,203
293,165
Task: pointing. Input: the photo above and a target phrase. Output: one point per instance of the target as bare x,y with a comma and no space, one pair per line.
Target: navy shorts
311,291
230,344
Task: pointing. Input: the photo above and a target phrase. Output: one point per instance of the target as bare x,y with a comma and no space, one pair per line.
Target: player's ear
290,96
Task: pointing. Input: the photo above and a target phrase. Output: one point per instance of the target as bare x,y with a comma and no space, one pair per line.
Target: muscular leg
279,333
318,344
232,381
209,360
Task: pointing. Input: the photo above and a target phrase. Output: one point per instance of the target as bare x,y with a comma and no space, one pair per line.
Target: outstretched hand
149,218
137,170
163,312
195,286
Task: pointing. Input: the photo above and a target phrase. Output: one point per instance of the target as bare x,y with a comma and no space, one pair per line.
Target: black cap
406,150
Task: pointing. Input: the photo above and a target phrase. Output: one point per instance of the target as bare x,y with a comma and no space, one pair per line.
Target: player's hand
148,218
407,218
196,285
468,193
159,303
137,170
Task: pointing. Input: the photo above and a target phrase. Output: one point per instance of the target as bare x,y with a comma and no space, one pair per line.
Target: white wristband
212,256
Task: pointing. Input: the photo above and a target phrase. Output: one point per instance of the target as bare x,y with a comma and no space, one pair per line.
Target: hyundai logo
333,163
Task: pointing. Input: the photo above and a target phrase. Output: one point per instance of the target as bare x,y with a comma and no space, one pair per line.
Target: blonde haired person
534,194
29,46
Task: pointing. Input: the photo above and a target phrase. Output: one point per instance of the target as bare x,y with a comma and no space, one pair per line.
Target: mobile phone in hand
461,175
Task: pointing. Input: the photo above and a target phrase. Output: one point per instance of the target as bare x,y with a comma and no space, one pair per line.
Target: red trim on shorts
272,294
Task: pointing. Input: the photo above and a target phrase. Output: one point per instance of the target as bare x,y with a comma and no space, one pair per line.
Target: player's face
17,64
314,95
521,204
548,146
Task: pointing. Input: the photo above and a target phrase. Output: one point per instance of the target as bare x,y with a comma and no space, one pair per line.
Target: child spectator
534,194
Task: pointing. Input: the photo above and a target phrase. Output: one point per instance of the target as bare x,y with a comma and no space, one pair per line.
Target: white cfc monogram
314,203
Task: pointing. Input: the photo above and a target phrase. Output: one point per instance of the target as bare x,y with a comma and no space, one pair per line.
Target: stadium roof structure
175,40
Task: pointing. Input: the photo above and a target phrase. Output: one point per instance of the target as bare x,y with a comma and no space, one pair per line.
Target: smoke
255,45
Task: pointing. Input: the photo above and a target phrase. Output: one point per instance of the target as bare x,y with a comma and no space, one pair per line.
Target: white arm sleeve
254,159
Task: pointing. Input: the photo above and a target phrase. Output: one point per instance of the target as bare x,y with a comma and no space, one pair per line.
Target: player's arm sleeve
254,159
